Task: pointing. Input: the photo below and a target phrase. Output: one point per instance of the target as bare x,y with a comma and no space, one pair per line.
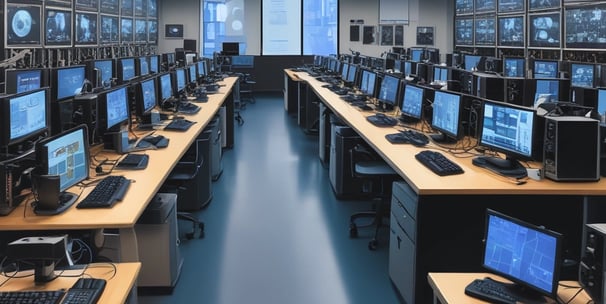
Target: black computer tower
514,90
84,111
571,149
593,258
324,134
345,186
490,87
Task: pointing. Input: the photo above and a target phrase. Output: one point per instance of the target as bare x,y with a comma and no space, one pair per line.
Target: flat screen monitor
464,31
544,30
511,31
464,7
432,55
417,55
192,74
440,74
106,70
65,155
169,59
201,69
398,66
67,82
471,62
23,26
126,69
530,256
368,82
230,48
58,27
17,81
409,68
86,28
388,91
508,129
165,86
583,75
344,71
25,116
412,102
545,69
179,81
352,73
154,64
446,116
142,66
145,96
546,90
113,109
109,32
601,107
514,67
583,24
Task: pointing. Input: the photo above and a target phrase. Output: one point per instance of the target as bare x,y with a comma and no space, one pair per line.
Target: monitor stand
508,167
443,138
49,200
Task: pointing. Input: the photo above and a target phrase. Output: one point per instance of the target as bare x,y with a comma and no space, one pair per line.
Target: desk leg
129,251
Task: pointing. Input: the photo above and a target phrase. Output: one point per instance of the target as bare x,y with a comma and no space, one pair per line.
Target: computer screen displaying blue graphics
66,156
546,91
582,75
154,64
17,81
106,68
416,55
446,115
412,101
69,81
143,66
166,87
193,77
528,255
471,62
601,107
126,69
351,73
388,91
201,68
368,82
25,115
344,71
545,69
440,74
116,107
148,90
180,74
514,67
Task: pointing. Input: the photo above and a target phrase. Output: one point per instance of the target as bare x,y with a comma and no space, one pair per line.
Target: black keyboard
32,296
134,161
188,108
110,189
85,291
408,137
438,163
179,125
491,291
381,120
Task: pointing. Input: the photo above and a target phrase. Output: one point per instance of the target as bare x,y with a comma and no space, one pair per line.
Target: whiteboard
393,11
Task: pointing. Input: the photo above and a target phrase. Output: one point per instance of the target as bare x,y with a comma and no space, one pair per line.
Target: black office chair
246,88
377,178
184,180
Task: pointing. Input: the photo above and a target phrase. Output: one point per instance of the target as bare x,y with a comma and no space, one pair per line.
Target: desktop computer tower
571,150
85,112
216,136
593,261
345,186
514,90
490,87
324,134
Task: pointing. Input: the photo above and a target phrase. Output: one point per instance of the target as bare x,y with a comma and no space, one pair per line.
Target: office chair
190,179
377,177
246,88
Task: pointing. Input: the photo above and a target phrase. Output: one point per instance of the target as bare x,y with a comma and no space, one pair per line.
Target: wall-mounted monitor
110,29
544,30
463,7
23,25
126,8
536,5
511,31
127,34
88,5
545,68
140,30
23,80
140,8
485,31
446,116
152,31
485,6
86,29
583,74
58,27
511,6
585,26
514,67
463,31
25,116
109,6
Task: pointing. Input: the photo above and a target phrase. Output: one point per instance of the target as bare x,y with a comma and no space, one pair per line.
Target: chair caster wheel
372,245
189,235
353,231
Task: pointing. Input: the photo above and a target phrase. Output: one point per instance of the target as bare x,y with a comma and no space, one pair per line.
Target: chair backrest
357,154
194,155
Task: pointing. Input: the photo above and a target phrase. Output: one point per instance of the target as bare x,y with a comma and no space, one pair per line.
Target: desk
116,290
448,212
146,183
449,288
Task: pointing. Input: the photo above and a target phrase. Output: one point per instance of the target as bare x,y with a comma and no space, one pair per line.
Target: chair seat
374,168
183,172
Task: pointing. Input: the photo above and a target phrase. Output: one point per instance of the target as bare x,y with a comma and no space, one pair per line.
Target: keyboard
84,291
110,189
179,125
134,161
438,163
381,120
490,290
188,108
408,137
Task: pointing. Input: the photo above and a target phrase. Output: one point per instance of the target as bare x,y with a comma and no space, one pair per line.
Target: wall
186,12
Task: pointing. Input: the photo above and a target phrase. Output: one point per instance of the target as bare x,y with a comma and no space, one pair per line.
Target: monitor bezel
410,114
12,74
56,82
5,131
439,128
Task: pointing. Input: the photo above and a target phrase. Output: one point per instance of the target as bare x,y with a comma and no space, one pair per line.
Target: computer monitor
145,97
410,68
113,109
201,68
58,27
344,71
179,81
546,90
192,74
168,60
106,72
471,62
154,64
514,67
432,55
25,116
412,103
446,116
67,82
529,256
352,74
142,66
545,69
440,74
166,87
388,91
601,103
583,74
368,82
230,48
508,129
416,55
22,80
65,155
126,69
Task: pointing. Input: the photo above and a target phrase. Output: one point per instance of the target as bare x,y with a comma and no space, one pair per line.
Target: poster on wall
398,35
386,34
424,35
173,31
354,33
368,35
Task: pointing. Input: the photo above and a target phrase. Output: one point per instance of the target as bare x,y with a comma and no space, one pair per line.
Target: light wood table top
449,288
145,183
120,281
401,157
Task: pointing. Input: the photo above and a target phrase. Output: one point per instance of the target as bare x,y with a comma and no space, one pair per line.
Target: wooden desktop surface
449,287
145,183
119,283
401,157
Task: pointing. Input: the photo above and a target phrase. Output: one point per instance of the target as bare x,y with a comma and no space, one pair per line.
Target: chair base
196,224
377,221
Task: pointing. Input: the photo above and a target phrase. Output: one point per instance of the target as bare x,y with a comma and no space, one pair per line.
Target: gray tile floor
275,233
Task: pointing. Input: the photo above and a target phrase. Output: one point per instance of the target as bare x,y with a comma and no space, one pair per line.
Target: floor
275,233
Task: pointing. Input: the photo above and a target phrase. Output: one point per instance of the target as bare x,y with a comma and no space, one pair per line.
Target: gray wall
436,13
